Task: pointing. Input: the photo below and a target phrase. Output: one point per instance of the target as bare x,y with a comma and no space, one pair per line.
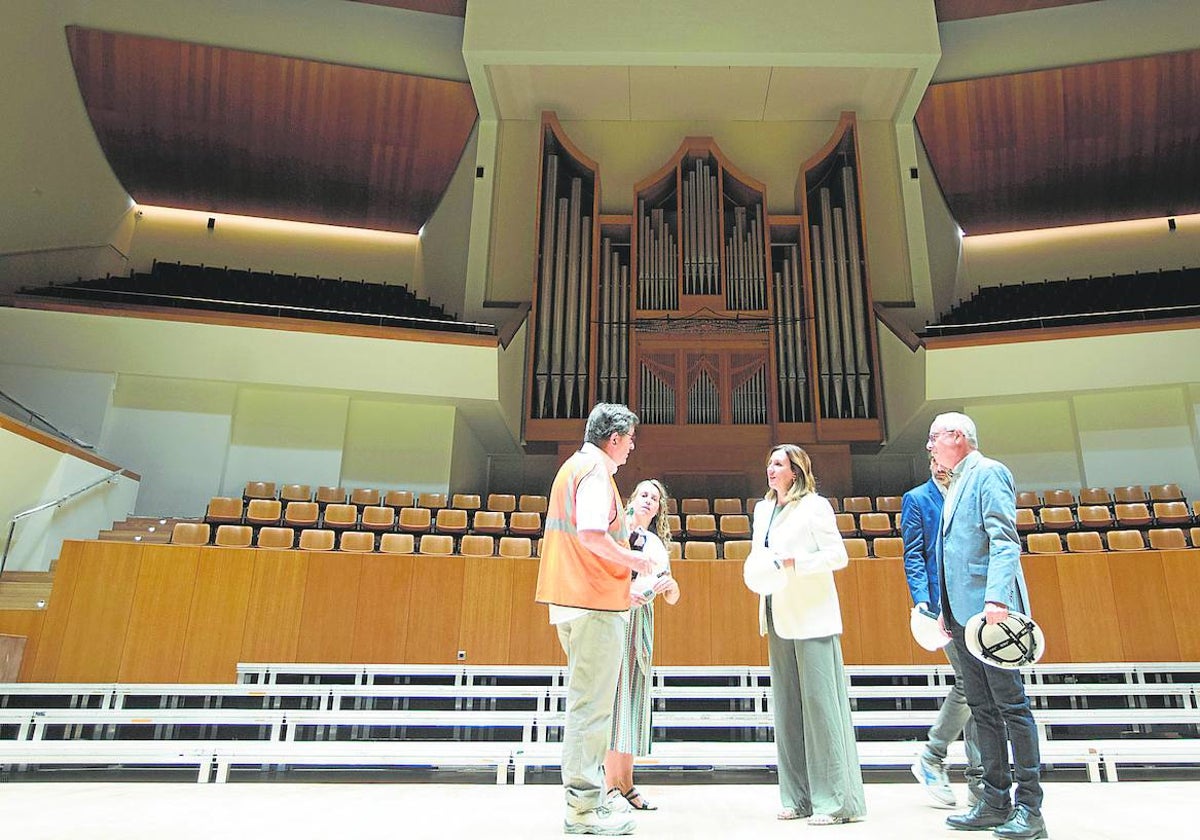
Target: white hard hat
763,572
927,630
1015,642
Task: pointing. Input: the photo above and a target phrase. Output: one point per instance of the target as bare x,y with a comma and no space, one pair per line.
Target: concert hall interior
372,258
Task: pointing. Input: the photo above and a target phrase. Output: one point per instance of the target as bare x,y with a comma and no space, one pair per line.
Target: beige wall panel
683,633
487,606
532,639
158,620
1181,570
882,614
327,619
1046,601
435,610
854,646
732,616
1147,633
1089,609
217,620
381,619
97,624
27,623
276,600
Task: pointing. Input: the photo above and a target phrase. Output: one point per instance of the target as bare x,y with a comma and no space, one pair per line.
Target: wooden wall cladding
1073,145
153,613
216,129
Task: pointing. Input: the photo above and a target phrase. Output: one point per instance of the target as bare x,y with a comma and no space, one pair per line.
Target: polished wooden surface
216,129
135,612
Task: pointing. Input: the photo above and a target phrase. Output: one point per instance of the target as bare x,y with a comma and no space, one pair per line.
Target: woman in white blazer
819,773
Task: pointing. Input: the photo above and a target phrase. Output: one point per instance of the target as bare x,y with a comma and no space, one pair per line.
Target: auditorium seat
397,499
263,512
272,537
1125,541
532,504
700,526
503,502
295,493
1194,533
673,505
688,507
415,520
433,501
353,541
301,514
437,544
465,501
834,502
234,536
700,550
675,550
259,490
1167,539
330,496
1130,494
1045,544
1057,519
396,543
1095,496
378,518
224,510
516,547
489,522
727,507
1171,513
856,548
1026,520
365,497
858,504
1028,499
1080,541
190,533
1132,515
736,549
340,517
872,525
476,545
846,524
317,539
674,524
888,547
1165,493
1095,517
888,504
735,526
451,521
1058,498
525,524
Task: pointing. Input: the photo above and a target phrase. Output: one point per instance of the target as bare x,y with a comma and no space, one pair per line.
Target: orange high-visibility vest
569,575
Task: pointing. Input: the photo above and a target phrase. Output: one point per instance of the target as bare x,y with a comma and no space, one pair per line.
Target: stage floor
132,810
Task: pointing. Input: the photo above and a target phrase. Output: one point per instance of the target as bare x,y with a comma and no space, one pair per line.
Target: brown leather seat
736,549
433,501
378,518
1172,513
888,504
1057,519
1083,541
856,548
1167,539
259,490
274,537
224,509
525,524
489,522
301,514
858,504
1026,520
340,517
1095,517
1132,515
396,544
263,512
700,526
234,536
477,545
399,499
735,526
891,547
1125,541
1058,498
727,507
688,507
533,504
1045,544
438,544
317,539
465,501
190,533
451,521
1165,493
700,550
875,525
365,497
295,493
1095,496
516,547
355,541
503,502
330,495
1130,494
1028,499
846,524
415,520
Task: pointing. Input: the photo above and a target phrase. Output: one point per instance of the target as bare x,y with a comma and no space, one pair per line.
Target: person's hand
640,563
666,585
994,613
636,598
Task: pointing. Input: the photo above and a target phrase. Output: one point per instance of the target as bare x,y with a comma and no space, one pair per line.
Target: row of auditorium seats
1104,518
371,497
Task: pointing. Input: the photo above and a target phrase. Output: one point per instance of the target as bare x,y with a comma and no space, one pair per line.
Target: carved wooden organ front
701,309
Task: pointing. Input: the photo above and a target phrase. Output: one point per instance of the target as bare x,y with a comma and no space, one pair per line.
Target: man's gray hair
609,419
953,421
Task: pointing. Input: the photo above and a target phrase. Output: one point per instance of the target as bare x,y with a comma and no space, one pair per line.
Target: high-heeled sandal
639,802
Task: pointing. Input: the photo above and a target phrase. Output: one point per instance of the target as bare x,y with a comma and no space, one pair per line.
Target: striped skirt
631,708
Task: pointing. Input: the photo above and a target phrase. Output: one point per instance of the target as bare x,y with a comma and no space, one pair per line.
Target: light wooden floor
31,810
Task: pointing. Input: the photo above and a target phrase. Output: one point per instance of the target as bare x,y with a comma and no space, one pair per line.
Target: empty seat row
324,539
261,513
1129,494
370,497
1103,518
1160,539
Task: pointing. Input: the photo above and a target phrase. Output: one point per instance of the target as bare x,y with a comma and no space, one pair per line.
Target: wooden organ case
727,329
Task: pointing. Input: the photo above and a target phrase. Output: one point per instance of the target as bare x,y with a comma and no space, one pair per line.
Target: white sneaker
932,776
602,820
614,800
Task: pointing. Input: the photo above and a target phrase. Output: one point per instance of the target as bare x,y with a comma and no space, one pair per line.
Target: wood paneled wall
155,613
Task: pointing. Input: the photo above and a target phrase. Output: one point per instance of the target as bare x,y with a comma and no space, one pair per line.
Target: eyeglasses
933,436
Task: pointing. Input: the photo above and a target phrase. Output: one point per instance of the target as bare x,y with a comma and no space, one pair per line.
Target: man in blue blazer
979,555
921,526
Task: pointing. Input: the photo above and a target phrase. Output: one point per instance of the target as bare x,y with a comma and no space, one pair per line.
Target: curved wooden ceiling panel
1074,145
215,129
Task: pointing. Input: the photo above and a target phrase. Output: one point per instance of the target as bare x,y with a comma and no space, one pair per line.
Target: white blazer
807,607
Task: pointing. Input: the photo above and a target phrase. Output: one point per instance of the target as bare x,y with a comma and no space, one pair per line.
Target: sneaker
614,800
932,776
601,820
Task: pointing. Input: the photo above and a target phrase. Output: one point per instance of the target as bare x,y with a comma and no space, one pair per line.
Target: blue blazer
921,527
979,548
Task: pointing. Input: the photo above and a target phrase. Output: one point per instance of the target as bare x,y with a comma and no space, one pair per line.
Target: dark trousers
1002,717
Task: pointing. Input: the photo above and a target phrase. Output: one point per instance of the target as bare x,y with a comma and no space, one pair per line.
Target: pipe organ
702,309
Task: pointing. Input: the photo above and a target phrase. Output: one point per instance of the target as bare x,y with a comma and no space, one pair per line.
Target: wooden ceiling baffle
725,329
